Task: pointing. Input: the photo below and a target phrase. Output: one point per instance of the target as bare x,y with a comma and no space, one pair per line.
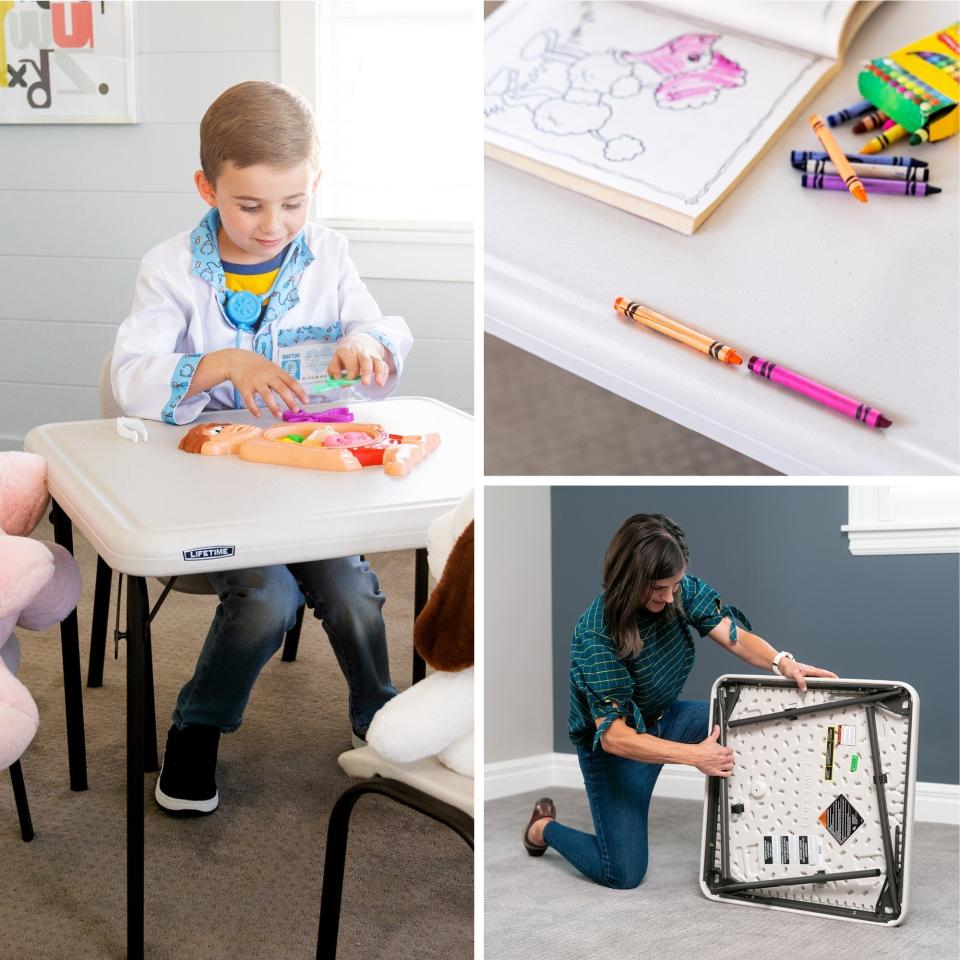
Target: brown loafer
544,807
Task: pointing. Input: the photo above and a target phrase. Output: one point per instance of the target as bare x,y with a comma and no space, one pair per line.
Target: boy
247,308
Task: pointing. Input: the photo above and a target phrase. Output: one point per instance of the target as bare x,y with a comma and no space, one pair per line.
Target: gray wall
81,204
518,718
779,555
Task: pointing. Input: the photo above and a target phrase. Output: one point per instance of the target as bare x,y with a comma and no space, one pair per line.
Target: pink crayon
817,391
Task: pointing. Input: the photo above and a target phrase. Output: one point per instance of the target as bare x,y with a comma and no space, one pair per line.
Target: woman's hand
711,758
359,355
793,670
252,374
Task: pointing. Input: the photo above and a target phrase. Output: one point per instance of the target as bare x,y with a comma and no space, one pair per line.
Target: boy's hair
258,122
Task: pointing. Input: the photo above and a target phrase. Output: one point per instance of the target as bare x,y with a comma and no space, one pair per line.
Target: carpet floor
539,908
244,881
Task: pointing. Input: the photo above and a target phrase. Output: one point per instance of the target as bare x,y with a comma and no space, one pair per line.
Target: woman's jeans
619,792
258,606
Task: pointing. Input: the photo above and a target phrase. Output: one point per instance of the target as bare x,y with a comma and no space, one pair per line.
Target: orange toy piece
328,446
216,439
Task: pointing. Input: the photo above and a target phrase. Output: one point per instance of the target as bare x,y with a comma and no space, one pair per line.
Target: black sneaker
187,779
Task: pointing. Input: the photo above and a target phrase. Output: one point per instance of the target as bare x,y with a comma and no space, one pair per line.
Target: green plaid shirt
641,688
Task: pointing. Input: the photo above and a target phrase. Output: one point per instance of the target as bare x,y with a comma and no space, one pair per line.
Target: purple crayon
799,157
817,391
908,188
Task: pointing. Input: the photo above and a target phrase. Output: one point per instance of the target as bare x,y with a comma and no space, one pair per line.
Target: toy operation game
817,815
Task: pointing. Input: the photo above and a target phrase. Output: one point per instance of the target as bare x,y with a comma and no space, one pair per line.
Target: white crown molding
935,802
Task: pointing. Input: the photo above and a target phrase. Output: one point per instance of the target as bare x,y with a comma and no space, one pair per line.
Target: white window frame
387,250
875,529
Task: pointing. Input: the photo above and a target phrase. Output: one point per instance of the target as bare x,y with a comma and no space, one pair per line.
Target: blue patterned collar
206,264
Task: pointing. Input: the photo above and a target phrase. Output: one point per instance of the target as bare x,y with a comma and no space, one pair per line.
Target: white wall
81,204
518,653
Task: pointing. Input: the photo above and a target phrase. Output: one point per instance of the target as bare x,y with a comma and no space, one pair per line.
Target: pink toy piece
351,438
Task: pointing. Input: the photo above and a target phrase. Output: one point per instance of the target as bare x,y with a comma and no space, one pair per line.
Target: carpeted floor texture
245,881
543,908
526,398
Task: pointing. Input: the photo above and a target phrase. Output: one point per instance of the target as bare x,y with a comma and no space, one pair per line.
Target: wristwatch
778,658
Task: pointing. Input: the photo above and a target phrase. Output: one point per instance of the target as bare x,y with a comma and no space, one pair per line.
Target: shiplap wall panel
166,155
182,26
86,202
438,310
85,290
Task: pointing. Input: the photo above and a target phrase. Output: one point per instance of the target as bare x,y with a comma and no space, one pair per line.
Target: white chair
426,786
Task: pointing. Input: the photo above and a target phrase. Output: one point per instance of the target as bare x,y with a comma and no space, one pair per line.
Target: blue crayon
799,158
857,110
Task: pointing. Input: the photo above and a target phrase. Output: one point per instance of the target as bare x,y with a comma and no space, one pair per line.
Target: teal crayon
878,171
850,113
799,157
919,136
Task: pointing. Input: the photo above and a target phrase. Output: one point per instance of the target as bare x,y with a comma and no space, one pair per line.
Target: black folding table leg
292,640
20,798
421,578
138,612
98,628
70,654
151,763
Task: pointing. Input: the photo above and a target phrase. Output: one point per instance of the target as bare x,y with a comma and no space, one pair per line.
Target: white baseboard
936,802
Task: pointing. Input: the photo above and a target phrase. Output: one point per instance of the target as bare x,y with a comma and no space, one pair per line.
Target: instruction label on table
841,819
784,848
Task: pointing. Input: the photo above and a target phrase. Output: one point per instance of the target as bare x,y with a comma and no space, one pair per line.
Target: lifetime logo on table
208,553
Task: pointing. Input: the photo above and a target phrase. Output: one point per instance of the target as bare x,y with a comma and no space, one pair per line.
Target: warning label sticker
841,819
782,848
828,757
847,734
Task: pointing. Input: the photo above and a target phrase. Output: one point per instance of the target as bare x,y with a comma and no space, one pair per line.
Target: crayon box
918,85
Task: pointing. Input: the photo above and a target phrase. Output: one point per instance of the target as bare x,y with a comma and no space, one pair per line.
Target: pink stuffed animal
39,586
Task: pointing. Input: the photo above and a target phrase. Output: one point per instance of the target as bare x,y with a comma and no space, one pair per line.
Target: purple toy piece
333,415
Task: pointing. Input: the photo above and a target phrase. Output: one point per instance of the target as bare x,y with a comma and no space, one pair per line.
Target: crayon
878,171
817,391
887,124
870,122
896,132
838,157
919,136
799,157
676,331
849,113
812,181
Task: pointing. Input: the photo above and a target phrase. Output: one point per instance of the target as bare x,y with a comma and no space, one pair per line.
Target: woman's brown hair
648,547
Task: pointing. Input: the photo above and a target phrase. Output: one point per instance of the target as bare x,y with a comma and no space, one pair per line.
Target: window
392,82
918,517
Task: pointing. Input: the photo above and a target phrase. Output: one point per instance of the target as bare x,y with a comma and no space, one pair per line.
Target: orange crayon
676,331
839,158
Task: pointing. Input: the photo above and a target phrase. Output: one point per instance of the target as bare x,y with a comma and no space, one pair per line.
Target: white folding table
150,510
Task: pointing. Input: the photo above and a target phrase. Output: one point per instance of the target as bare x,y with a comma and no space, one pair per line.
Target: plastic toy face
215,439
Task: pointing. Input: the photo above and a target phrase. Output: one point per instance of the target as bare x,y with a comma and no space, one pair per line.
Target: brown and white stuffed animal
435,716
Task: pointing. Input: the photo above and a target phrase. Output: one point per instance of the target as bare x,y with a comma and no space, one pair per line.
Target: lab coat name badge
307,362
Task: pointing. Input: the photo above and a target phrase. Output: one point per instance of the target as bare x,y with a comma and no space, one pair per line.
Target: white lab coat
177,316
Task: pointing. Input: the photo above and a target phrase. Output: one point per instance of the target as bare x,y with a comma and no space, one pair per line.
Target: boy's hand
359,355
251,374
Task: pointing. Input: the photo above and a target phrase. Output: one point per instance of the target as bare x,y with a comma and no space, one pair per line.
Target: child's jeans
619,793
258,606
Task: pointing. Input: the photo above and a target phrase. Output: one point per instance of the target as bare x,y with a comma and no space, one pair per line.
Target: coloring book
657,108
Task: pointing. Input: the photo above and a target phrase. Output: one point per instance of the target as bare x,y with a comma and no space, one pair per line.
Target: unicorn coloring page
634,98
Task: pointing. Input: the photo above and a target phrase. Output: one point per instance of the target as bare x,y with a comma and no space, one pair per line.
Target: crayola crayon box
918,85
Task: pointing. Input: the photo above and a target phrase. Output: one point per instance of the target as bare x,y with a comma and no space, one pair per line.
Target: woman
632,651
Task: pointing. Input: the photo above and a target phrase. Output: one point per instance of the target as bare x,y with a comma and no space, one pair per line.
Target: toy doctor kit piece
328,446
131,429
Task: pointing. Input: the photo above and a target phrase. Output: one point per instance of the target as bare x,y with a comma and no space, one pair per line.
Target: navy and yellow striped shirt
640,688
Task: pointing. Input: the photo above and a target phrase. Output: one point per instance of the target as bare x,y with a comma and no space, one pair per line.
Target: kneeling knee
627,878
